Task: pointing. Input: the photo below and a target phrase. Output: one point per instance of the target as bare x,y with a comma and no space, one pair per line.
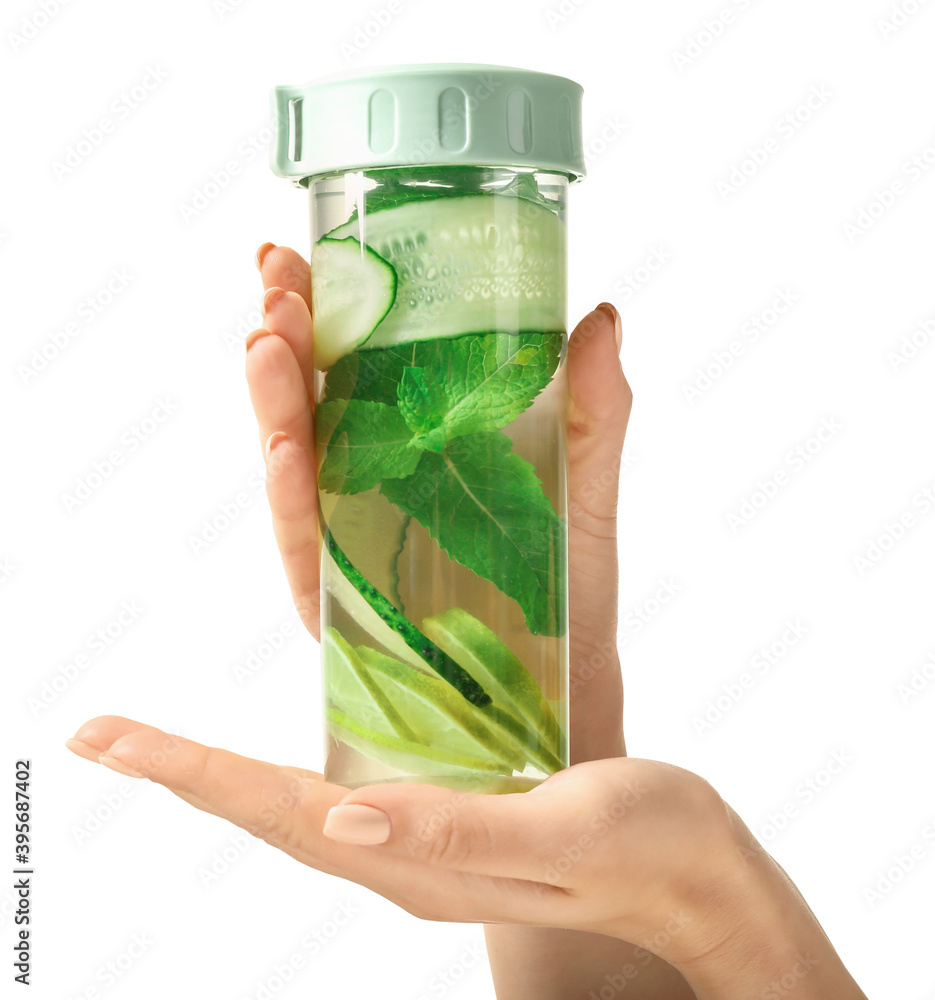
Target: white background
118,858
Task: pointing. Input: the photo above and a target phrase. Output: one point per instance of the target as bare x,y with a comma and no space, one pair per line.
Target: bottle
437,201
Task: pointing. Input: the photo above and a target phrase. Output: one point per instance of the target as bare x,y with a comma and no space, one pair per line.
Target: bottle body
440,336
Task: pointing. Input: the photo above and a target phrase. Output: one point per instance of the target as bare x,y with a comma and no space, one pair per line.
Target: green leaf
486,508
420,400
360,444
375,375
481,386
451,386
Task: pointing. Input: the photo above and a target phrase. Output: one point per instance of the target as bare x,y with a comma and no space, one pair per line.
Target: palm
280,373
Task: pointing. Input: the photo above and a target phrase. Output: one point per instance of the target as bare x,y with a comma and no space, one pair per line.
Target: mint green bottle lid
431,114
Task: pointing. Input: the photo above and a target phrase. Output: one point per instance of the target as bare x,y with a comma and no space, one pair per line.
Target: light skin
615,873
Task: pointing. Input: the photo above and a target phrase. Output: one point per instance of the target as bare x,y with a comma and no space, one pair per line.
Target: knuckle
279,819
444,843
450,839
309,611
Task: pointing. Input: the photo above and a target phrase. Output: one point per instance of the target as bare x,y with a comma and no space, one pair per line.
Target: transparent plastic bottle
439,306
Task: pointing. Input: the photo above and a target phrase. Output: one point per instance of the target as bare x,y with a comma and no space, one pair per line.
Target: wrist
753,935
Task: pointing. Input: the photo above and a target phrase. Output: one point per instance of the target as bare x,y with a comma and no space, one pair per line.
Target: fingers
599,408
293,501
278,388
262,798
287,807
280,395
283,270
285,313
494,835
284,267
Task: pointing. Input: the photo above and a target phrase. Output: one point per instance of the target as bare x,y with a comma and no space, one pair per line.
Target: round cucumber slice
353,288
471,264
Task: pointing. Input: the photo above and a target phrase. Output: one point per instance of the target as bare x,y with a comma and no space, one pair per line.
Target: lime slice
404,755
437,713
499,671
349,686
523,738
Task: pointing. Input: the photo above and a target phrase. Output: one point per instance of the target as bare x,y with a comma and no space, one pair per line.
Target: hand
281,379
611,846
553,857
632,849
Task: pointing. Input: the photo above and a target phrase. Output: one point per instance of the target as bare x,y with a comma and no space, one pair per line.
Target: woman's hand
628,848
634,850
623,847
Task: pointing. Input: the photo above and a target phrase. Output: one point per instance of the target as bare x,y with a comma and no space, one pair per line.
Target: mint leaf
360,443
375,375
487,384
485,507
478,382
420,400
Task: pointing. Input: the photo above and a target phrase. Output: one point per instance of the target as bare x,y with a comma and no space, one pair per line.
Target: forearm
771,945
541,963
547,963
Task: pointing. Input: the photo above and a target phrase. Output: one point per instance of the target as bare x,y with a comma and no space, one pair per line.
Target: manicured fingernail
356,824
254,335
274,441
272,298
83,749
120,767
261,253
611,309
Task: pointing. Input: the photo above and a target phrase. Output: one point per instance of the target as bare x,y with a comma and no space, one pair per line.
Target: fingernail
611,309
254,335
83,749
356,824
272,298
261,253
120,767
273,441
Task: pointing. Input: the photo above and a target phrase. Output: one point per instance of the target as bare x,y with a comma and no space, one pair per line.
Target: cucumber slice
402,754
513,689
353,288
471,264
343,591
351,688
362,592
437,714
353,517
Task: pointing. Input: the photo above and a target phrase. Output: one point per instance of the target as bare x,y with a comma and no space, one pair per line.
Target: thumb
499,835
598,413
